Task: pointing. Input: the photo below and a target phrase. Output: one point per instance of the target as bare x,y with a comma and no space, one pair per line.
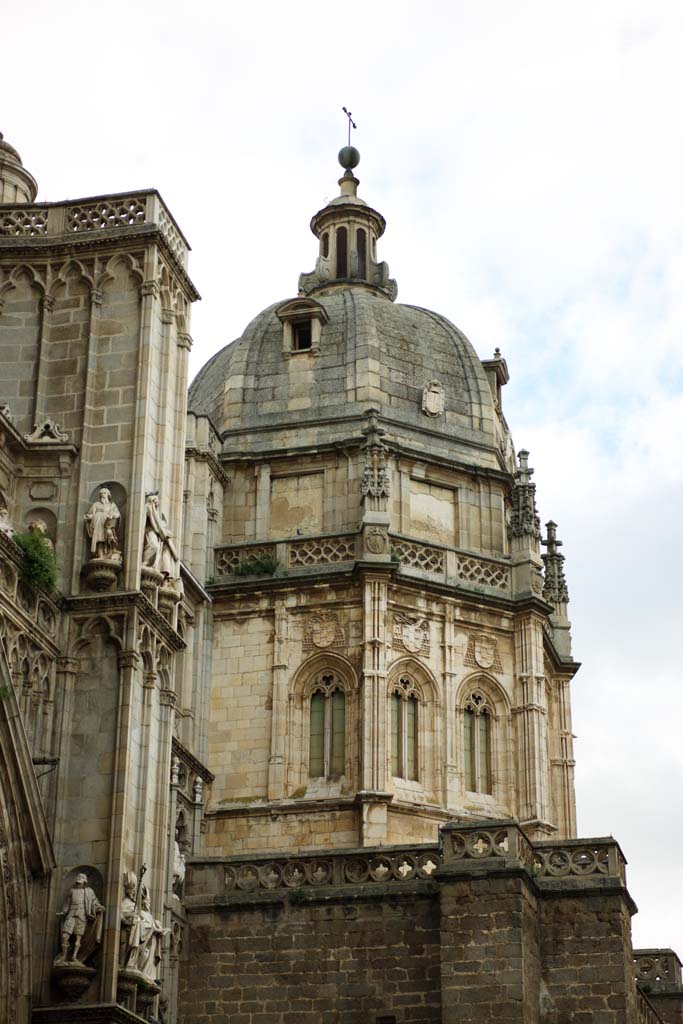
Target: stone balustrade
413,556
646,1013
657,970
94,214
234,875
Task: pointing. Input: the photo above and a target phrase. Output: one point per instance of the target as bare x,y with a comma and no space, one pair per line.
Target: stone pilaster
490,968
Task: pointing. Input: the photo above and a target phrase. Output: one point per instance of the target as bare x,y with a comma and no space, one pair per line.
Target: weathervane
352,123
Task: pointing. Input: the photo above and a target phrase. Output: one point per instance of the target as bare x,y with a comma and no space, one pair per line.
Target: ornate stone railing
415,555
390,865
485,571
322,550
572,858
657,970
229,559
305,552
646,1013
99,213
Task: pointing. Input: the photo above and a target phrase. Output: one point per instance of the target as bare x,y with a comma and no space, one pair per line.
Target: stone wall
487,926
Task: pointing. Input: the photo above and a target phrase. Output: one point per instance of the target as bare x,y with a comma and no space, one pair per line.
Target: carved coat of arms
323,629
433,398
482,652
412,634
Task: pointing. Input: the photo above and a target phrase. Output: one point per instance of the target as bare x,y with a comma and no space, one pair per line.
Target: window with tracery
404,733
477,745
327,737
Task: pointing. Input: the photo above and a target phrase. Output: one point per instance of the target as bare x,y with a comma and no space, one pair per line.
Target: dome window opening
302,336
342,253
361,246
326,245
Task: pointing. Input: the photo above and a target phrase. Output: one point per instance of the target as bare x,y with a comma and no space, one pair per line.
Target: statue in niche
144,938
81,920
40,526
178,867
101,523
159,551
5,524
129,915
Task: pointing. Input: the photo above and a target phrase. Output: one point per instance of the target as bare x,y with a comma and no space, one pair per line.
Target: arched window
326,245
327,738
361,246
342,262
404,714
477,745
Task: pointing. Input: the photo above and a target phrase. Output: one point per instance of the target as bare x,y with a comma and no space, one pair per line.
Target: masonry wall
319,962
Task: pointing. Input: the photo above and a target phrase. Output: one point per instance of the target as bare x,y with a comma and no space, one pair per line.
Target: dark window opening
342,262
302,336
361,245
326,245
385,1020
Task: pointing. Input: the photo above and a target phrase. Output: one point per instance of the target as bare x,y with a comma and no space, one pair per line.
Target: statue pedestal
102,574
150,581
72,978
135,991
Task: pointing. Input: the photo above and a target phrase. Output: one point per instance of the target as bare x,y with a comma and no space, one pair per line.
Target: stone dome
361,350
372,352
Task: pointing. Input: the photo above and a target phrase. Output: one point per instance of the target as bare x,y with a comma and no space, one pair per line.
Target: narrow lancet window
404,731
342,256
361,245
326,245
327,738
477,745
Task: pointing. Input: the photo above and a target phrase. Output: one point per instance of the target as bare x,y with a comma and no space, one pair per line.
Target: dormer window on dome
348,229
302,321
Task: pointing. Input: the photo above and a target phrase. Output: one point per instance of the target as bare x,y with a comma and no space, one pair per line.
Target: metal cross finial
352,123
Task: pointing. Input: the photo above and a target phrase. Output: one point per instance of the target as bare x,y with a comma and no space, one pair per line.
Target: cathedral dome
310,366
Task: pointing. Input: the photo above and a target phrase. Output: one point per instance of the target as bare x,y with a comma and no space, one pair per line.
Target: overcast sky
528,158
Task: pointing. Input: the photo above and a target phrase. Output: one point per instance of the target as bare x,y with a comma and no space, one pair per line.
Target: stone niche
296,504
433,513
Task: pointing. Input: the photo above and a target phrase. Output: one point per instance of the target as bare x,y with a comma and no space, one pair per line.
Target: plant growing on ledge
38,565
258,565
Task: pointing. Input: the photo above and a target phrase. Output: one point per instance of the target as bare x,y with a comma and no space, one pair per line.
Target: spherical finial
349,157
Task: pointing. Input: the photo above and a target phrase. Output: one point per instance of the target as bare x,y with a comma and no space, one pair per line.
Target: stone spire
348,229
524,522
16,184
374,486
554,582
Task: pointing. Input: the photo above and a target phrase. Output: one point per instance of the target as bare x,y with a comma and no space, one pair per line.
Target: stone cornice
116,239
206,455
191,761
126,600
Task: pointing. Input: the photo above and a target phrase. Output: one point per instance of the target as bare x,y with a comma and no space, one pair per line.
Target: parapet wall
485,926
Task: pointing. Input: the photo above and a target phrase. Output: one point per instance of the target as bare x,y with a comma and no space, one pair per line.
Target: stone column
278,718
373,700
531,720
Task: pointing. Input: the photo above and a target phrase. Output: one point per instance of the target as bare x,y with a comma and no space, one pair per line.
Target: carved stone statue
5,524
101,523
178,868
159,551
129,916
81,920
40,526
144,937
